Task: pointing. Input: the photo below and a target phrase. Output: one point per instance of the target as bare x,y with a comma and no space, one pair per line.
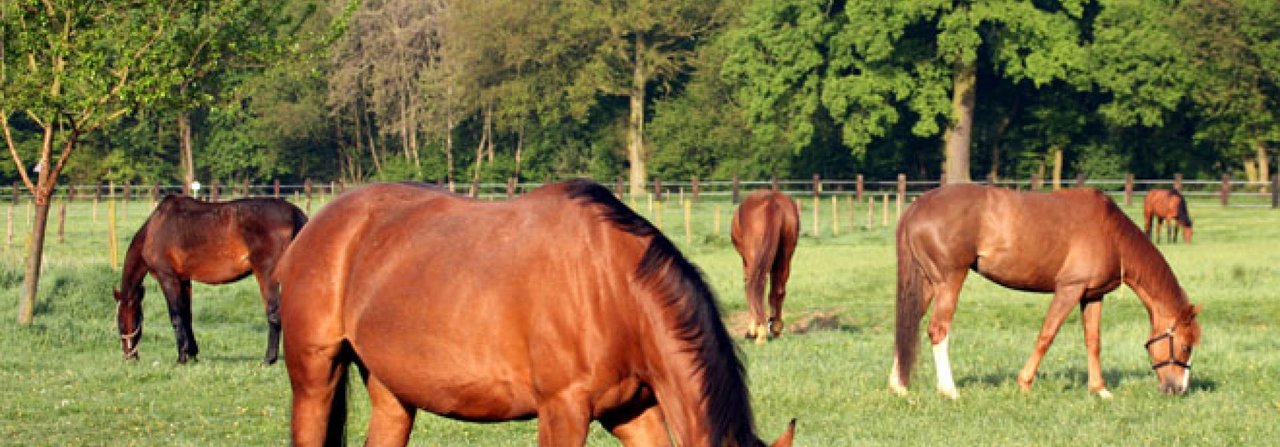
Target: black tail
910,309
336,432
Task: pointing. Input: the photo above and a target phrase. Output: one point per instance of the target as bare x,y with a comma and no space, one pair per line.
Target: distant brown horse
562,305
186,239
765,229
1075,243
1162,204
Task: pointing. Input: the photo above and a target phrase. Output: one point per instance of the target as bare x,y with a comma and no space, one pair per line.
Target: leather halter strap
1168,333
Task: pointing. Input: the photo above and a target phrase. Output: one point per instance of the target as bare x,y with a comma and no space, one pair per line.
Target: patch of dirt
797,322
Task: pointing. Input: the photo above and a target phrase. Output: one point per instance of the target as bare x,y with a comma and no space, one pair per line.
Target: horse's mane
1141,259
669,274
1184,217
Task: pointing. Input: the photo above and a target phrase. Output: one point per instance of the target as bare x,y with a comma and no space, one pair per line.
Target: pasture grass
62,380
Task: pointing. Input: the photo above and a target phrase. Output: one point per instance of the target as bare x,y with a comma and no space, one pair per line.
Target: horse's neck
134,268
1154,283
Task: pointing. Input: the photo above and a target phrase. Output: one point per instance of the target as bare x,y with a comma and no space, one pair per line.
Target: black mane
666,271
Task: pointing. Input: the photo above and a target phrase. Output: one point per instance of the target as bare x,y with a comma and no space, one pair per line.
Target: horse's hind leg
270,290
944,311
778,284
391,420
1063,298
318,380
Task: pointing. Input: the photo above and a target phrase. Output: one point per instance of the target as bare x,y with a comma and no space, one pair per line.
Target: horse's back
1022,240
440,295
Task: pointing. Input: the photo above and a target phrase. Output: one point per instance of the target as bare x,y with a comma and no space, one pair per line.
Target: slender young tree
68,68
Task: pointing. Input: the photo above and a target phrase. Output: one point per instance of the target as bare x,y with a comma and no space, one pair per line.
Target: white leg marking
946,386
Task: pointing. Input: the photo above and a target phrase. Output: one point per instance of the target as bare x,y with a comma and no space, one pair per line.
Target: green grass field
62,380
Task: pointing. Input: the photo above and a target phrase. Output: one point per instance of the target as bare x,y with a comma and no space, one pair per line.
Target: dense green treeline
487,90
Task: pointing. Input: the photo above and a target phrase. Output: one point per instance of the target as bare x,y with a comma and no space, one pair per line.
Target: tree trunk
475,176
959,134
488,131
1057,167
188,160
1264,164
519,148
35,255
635,125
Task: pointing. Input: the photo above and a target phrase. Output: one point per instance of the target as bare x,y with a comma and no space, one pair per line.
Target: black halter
1171,360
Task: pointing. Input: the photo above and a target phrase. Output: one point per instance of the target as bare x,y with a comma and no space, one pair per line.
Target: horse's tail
336,429
299,219
766,254
910,308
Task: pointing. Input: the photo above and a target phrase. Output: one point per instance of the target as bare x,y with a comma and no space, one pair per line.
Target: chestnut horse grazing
562,305
186,239
1166,204
1075,243
765,229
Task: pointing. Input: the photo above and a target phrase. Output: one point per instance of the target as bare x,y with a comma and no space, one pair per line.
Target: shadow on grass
1074,375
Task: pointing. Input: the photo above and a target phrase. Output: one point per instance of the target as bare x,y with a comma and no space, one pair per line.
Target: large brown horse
1075,243
1166,204
765,229
185,239
562,305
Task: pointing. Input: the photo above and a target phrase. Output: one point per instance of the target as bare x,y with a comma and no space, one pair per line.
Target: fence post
1128,189
835,215
1036,182
306,187
817,227
657,189
1275,191
688,222
817,185
97,197
1225,192
902,193
1080,180
859,188
1177,182
275,188
511,187
617,187
735,189
717,220
696,188
62,219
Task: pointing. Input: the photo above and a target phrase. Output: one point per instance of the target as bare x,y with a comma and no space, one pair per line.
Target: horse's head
1170,352
1186,233
129,320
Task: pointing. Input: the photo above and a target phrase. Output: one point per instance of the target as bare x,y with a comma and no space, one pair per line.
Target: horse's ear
787,436
1191,314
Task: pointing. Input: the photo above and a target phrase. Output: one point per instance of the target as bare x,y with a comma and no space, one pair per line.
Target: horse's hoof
949,393
897,388
1104,394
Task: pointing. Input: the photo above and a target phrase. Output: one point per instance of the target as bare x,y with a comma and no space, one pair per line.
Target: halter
1168,333
132,351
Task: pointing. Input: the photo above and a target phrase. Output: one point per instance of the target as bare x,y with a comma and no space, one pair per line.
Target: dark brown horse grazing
1166,204
562,305
1075,243
186,239
765,229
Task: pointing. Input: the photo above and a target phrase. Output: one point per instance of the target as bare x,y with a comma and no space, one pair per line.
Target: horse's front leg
177,294
563,420
1091,313
1063,298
